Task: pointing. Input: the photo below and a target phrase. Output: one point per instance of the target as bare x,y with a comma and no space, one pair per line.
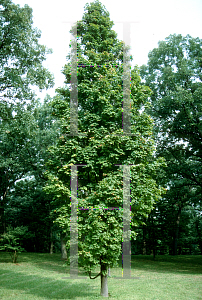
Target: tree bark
63,246
104,285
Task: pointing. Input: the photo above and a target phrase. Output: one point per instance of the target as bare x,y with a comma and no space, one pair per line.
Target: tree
28,205
158,234
17,134
10,242
102,147
173,73
21,68
21,55
25,203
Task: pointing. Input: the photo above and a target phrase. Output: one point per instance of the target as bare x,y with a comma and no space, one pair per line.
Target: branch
89,273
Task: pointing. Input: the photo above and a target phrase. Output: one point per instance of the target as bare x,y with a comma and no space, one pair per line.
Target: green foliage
17,130
10,241
21,54
27,205
25,137
100,182
173,73
21,69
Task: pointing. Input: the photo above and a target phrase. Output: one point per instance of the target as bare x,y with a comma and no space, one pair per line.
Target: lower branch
89,273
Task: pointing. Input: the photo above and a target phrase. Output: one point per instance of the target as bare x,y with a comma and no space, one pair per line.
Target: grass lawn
44,276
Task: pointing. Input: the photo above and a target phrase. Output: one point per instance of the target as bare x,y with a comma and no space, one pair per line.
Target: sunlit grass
44,276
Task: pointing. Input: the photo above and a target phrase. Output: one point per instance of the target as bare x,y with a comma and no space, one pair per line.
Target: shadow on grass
168,264
46,287
182,264
30,257
45,261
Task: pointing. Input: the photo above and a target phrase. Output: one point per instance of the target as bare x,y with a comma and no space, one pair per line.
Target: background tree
25,203
173,73
11,240
21,55
17,133
103,146
21,68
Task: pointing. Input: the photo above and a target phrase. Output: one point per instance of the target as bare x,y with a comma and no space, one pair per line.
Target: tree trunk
2,224
199,234
200,246
104,285
176,234
144,250
2,217
153,239
63,246
51,241
51,247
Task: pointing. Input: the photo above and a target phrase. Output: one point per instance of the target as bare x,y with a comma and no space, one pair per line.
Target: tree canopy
21,69
173,73
21,55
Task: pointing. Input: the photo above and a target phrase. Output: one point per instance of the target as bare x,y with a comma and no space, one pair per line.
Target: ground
39,276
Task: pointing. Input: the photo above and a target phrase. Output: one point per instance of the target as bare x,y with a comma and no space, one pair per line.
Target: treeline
34,150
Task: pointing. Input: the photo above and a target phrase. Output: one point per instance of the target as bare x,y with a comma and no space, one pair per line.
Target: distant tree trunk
154,252
176,233
144,250
2,217
200,245
51,240
104,285
51,247
153,238
109,272
199,234
63,246
2,226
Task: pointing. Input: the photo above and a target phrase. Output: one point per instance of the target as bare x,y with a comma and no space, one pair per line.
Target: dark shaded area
65,290
165,263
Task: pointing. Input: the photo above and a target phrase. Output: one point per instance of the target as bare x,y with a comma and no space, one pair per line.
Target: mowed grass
44,276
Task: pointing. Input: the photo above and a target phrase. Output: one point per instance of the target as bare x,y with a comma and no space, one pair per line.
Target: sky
151,21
